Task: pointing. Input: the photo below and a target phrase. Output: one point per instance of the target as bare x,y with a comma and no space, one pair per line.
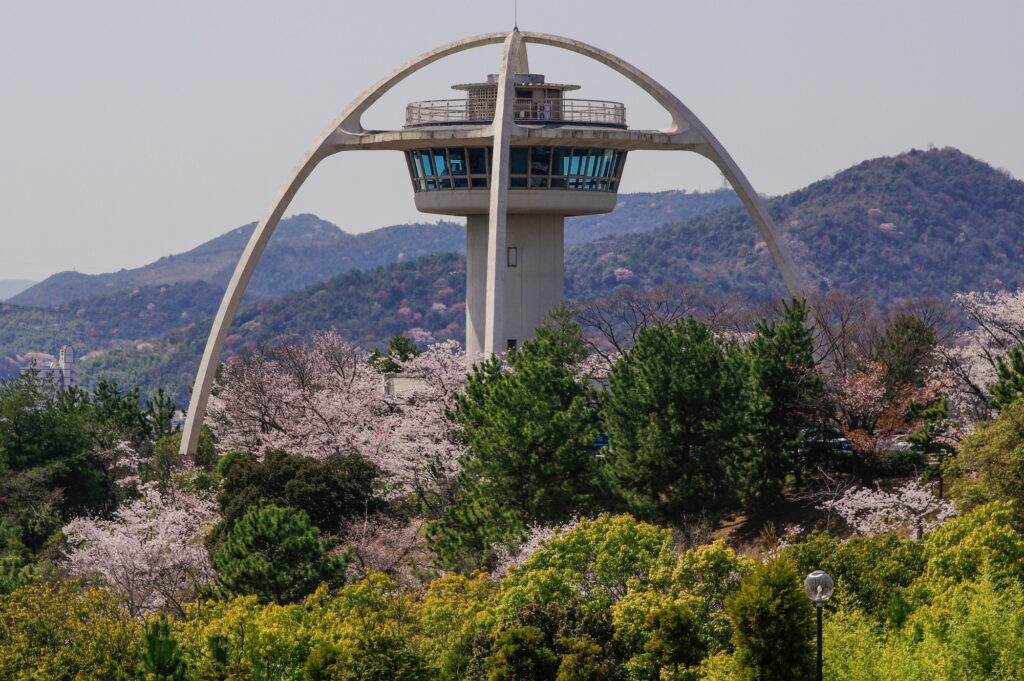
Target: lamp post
819,587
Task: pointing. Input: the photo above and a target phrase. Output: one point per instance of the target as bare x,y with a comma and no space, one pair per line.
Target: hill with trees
306,249
303,250
921,223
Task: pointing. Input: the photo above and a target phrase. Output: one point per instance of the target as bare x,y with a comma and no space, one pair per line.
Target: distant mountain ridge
921,223
306,249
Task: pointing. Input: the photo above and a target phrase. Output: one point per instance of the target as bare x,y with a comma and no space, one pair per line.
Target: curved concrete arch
343,131
683,119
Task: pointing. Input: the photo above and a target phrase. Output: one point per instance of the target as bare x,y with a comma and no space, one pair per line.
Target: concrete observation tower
515,156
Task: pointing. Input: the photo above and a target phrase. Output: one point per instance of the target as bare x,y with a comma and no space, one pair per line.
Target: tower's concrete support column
534,276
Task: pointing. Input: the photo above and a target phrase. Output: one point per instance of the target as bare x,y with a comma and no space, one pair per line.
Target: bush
773,624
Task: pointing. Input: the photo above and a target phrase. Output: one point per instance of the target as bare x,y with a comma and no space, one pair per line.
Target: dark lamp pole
819,587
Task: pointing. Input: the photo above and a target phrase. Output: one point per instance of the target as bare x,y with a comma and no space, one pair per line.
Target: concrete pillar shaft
534,276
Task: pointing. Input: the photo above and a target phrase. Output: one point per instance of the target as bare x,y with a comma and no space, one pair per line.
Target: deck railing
447,111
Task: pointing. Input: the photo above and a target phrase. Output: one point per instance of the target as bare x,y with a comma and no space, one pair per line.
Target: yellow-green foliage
58,631
448,615
983,540
974,631
597,560
606,601
990,464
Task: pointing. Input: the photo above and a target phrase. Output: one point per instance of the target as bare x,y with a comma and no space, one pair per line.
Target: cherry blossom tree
324,398
151,551
910,506
971,358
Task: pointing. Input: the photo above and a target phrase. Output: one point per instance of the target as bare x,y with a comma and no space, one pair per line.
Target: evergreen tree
773,624
677,408
277,555
785,375
330,492
400,349
906,350
161,656
1009,386
530,430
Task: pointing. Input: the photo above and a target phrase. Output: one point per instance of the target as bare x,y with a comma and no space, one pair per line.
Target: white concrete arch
346,132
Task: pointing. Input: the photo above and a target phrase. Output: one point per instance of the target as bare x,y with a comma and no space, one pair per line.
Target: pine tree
1009,387
785,376
521,656
773,624
277,555
161,657
677,409
530,431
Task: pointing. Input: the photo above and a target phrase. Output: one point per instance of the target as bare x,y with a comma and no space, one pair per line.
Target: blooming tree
997,326
875,511
324,398
151,552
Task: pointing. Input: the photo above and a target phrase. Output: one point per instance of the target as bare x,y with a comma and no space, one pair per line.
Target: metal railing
441,111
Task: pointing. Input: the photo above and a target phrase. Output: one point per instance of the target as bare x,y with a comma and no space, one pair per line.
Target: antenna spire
515,15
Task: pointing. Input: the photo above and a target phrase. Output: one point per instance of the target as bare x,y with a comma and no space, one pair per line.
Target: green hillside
306,249
921,223
366,307
303,250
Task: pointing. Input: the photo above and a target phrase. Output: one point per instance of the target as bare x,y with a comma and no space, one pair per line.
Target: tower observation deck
546,182
515,156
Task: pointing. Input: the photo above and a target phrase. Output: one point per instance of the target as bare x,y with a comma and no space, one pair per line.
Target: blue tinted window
457,160
440,162
519,160
477,160
479,181
540,161
560,161
576,164
428,168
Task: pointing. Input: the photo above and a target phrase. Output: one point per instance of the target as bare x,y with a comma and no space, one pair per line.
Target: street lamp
819,587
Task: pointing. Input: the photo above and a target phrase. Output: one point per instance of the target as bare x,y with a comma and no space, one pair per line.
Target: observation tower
572,169
515,156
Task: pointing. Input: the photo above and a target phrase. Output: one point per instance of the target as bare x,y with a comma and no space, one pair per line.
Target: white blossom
151,552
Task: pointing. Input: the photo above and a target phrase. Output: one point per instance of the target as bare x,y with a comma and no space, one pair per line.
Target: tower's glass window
530,167
478,160
519,161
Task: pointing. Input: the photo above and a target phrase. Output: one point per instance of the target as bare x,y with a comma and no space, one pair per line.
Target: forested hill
921,223
303,250
306,249
424,298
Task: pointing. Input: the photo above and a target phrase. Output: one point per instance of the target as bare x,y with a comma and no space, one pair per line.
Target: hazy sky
136,129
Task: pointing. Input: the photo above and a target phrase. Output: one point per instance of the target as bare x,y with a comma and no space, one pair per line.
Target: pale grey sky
136,129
